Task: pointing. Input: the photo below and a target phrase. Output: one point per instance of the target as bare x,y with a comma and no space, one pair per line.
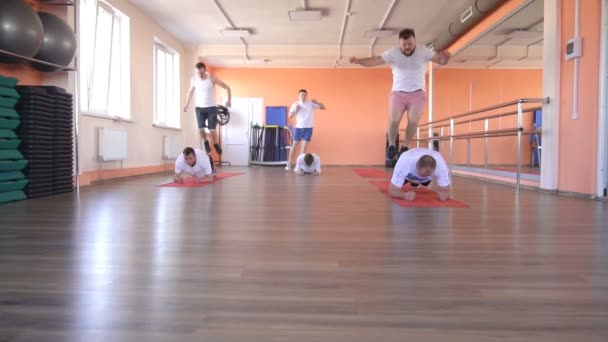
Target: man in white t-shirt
195,163
308,163
419,166
409,64
203,86
304,112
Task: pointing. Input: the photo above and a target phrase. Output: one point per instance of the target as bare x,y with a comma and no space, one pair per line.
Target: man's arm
294,110
442,57
225,86
317,171
205,179
397,192
189,96
298,169
368,62
177,178
444,193
319,104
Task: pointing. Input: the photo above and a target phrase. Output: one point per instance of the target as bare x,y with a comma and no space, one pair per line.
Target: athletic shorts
402,101
206,117
303,134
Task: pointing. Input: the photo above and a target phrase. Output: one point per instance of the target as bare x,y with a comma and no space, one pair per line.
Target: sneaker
218,149
403,149
207,147
213,169
288,167
390,156
414,185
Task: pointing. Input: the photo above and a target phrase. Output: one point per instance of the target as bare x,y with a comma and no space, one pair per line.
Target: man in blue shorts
304,112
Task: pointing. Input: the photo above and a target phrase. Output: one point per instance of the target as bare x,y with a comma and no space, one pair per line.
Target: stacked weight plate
62,140
12,180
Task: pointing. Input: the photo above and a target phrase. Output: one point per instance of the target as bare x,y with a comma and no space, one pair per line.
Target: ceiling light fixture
235,33
303,15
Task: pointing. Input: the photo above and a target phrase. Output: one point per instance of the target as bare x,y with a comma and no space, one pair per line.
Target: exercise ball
20,30
58,44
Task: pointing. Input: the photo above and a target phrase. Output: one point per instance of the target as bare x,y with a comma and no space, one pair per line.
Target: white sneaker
288,167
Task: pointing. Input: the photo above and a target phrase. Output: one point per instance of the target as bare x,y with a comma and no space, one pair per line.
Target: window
166,86
105,84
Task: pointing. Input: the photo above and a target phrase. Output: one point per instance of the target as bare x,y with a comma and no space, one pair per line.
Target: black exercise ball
20,30
58,45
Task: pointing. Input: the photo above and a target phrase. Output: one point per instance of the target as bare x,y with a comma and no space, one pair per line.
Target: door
235,135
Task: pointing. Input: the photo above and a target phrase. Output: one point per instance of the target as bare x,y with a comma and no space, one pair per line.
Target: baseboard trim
103,176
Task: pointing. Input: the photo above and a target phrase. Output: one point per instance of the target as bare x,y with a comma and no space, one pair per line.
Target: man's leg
304,146
201,119
397,108
292,151
213,169
205,140
297,136
417,101
212,121
307,137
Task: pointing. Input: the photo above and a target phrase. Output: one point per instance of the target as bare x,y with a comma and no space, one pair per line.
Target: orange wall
25,74
578,138
352,129
462,90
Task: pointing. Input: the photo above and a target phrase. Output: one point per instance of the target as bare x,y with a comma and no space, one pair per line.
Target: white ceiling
497,50
275,41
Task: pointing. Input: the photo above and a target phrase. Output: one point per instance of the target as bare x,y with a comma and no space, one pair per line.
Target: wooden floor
268,256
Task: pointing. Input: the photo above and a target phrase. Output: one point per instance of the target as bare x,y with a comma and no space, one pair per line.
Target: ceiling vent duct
478,10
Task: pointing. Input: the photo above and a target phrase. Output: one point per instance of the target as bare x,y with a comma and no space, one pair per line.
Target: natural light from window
166,86
105,85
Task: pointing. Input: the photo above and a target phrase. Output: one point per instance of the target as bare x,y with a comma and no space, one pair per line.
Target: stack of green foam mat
12,179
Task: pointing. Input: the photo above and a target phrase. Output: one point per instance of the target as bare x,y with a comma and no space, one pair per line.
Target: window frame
168,51
124,68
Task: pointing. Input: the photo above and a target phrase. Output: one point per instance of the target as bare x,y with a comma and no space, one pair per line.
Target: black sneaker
218,149
207,147
390,156
403,149
213,169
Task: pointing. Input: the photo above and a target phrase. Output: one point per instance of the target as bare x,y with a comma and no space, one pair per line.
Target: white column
552,57
602,150
431,97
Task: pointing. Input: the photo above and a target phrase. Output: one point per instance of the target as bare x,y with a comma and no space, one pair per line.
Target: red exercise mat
425,198
371,173
191,183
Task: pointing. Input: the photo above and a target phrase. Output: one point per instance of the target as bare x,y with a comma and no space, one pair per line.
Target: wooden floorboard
269,256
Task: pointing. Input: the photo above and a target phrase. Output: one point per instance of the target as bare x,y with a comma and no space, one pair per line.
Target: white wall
145,141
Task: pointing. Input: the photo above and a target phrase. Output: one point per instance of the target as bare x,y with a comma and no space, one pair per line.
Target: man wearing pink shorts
408,62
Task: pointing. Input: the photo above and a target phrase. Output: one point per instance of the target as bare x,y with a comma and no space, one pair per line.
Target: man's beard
409,54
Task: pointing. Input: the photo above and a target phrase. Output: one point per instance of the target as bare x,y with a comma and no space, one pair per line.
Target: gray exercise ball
59,43
20,30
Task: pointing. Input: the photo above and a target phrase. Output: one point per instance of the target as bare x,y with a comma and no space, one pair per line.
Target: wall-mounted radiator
171,147
112,144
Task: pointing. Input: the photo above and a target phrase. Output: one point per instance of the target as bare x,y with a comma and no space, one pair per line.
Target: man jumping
408,63
303,110
203,84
